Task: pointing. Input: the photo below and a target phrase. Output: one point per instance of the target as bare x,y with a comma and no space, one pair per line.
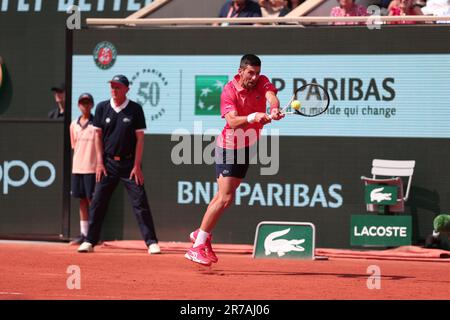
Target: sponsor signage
265,194
147,86
31,180
371,95
284,240
380,194
28,174
105,55
374,230
207,94
39,6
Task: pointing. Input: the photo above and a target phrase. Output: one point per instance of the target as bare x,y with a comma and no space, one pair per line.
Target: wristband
251,117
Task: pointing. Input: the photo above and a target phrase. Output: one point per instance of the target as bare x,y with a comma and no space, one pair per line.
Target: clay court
124,271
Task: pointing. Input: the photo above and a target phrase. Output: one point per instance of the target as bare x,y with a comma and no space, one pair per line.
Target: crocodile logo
378,196
281,246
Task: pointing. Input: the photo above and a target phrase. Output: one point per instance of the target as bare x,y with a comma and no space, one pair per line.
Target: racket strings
314,100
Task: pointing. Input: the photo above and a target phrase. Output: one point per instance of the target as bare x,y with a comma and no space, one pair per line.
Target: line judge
119,145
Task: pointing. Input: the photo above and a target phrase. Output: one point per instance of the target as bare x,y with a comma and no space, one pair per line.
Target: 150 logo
148,89
28,174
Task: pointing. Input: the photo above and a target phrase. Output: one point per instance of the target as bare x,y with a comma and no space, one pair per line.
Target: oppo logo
27,174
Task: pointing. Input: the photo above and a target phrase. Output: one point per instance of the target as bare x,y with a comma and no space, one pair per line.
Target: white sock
84,225
201,237
435,234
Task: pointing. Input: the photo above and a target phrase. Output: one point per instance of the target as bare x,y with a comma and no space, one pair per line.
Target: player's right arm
229,111
235,121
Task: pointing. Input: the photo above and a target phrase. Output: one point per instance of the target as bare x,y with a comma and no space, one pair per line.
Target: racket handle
281,112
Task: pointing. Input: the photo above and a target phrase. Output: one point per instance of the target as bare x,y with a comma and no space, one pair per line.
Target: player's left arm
136,173
274,105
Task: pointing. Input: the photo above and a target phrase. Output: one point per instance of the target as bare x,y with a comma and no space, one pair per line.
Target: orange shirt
82,141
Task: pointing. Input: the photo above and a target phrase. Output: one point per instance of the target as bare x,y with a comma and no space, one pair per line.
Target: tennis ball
295,104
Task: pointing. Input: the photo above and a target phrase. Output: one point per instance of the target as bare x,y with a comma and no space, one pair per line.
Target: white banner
371,95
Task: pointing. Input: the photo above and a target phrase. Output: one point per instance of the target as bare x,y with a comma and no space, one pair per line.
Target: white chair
393,173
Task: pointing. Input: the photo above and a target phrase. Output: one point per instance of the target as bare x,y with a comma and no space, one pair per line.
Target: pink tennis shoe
198,255
208,248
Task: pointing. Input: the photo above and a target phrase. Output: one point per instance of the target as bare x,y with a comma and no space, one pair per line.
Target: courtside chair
391,172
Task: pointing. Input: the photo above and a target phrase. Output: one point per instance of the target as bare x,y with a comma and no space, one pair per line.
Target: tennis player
243,105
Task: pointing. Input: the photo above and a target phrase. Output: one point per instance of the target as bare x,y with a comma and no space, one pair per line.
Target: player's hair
250,60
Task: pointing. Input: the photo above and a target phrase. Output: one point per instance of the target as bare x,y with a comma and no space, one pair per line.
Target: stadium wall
319,172
32,45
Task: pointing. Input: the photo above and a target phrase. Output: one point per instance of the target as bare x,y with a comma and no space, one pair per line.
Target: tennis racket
309,100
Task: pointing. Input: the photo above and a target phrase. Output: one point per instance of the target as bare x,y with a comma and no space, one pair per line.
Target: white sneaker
86,247
154,249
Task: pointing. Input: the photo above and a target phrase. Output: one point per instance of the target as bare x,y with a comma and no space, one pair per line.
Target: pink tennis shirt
236,98
82,141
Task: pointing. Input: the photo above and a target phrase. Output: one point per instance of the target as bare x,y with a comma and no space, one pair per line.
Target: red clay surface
39,271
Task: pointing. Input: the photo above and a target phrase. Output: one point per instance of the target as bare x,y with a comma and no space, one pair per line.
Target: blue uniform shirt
119,129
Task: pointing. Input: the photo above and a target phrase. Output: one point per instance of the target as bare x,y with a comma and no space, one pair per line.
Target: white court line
11,293
29,242
75,296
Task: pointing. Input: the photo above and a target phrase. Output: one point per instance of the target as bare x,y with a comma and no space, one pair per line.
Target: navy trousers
119,171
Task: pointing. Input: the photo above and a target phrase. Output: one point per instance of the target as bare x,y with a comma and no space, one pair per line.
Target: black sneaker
78,240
